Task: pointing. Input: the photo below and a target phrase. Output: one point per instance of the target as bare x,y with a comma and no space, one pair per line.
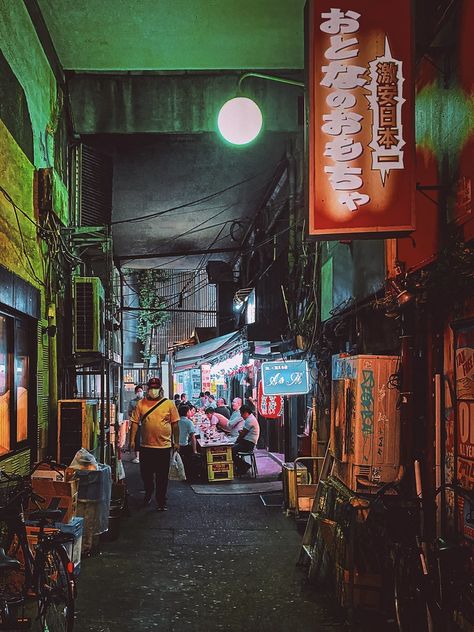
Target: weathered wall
30,110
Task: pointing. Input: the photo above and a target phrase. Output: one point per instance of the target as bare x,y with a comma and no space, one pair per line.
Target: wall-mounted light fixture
240,119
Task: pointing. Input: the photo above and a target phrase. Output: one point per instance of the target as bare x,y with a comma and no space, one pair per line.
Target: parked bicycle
433,582
39,575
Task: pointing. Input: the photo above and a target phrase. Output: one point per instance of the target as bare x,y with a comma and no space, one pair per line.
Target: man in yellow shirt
159,433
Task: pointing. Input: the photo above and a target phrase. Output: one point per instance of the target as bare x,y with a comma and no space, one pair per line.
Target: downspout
407,409
52,381
291,222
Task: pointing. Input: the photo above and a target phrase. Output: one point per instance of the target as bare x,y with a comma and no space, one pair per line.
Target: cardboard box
57,495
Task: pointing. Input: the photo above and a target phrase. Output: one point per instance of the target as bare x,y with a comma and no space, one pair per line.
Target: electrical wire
206,198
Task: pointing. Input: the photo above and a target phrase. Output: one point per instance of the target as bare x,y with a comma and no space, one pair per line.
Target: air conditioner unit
88,307
365,421
78,427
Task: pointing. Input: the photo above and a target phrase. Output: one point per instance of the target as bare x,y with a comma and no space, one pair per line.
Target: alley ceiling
146,80
111,35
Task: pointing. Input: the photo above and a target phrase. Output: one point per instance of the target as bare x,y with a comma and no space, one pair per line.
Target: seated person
247,439
235,423
214,418
187,439
199,403
211,402
222,408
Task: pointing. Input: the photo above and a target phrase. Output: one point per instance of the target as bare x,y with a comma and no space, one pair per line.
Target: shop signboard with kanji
464,367
361,118
285,377
269,406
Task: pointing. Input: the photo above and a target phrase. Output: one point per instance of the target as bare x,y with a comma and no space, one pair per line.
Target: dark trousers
154,468
242,445
190,461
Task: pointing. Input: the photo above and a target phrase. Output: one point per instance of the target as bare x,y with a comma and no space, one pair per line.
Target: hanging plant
149,302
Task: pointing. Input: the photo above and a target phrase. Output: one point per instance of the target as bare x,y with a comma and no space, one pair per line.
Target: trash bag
84,460
176,472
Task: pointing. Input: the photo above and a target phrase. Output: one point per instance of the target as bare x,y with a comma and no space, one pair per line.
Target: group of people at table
160,425
239,426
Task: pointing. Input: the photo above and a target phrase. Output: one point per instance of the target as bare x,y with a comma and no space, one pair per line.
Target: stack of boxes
220,466
59,491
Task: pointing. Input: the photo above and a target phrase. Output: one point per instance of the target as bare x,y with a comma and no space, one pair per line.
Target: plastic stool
253,462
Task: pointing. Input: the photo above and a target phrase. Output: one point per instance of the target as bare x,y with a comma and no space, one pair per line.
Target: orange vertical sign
361,111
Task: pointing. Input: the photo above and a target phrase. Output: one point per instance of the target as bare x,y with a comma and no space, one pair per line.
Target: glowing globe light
240,121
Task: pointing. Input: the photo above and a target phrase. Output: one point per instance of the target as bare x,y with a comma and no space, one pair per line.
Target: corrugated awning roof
204,352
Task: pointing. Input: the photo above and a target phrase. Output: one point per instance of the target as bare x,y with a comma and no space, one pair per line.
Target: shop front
194,366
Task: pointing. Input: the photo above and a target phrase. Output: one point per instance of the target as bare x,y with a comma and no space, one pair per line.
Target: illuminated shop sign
290,377
269,406
361,143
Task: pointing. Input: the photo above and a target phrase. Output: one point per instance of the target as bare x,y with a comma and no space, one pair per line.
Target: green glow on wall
444,119
326,289
17,178
22,49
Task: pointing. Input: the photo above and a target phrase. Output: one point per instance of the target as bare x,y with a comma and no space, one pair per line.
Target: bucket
113,531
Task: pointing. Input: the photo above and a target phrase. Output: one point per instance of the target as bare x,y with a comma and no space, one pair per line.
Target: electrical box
365,421
88,316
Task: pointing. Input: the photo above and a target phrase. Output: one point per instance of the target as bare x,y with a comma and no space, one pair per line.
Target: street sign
290,377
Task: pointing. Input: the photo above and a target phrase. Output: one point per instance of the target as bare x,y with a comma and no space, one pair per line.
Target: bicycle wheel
410,606
55,590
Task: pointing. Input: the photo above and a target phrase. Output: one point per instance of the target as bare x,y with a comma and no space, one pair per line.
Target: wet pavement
211,562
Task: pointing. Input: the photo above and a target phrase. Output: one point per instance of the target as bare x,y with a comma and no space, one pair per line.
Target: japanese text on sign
345,78
285,378
386,103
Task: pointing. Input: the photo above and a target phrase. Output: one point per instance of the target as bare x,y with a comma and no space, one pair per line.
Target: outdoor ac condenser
365,421
88,308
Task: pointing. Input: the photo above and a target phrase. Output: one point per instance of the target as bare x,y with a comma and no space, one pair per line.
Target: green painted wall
176,34
17,179
22,50
30,120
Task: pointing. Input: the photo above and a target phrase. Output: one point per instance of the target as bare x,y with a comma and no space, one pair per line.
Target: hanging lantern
269,406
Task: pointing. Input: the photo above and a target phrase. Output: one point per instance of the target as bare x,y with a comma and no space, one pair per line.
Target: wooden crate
366,588
220,471
219,454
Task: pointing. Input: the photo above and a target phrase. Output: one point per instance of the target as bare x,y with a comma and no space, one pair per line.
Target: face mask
140,395
153,392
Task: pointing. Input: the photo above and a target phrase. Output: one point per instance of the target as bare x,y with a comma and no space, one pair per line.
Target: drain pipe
407,412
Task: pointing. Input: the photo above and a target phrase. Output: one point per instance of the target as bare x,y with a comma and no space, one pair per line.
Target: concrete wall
30,112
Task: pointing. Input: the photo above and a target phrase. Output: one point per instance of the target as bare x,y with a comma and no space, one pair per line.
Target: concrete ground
211,562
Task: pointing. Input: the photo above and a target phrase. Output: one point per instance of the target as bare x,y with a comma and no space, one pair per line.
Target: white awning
194,356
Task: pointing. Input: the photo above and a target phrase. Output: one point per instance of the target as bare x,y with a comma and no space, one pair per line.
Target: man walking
159,430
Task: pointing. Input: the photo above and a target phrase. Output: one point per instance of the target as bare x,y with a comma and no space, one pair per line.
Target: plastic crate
220,471
73,548
219,454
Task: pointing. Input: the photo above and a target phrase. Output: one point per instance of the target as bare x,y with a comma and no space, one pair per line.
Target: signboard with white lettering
290,377
361,118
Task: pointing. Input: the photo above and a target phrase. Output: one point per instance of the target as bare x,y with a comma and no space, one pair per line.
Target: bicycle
431,580
41,573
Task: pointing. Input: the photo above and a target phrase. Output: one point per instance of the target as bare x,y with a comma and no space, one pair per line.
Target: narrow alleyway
212,562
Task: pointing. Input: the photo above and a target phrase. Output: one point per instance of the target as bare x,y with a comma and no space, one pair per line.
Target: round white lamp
239,121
